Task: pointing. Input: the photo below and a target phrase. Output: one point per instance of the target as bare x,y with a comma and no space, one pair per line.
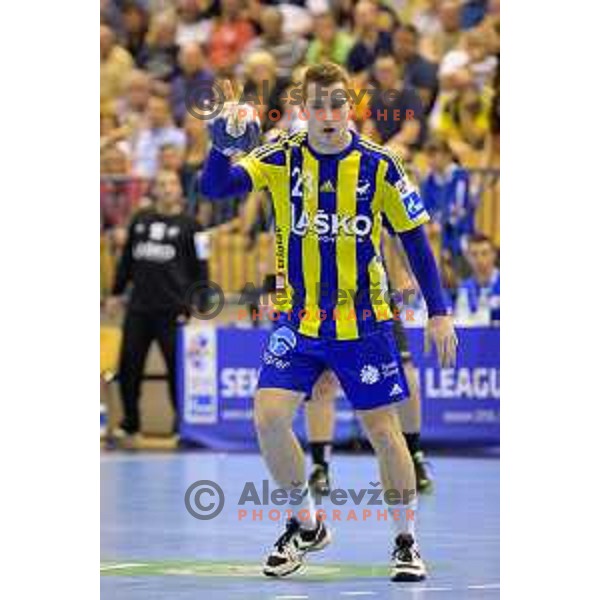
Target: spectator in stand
170,158
158,131
133,104
397,116
110,15
426,18
387,17
113,162
120,194
470,63
436,45
292,120
297,14
418,72
288,50
370,42
195,21
343,12
461,114
445,192
193,159
135,27
491,27
115,65
263,88
159,55
230,36
194,81
485,280
473,12
329,44
111,134
464,124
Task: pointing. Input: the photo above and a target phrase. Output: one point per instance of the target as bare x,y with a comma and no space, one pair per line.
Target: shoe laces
292,528
404,550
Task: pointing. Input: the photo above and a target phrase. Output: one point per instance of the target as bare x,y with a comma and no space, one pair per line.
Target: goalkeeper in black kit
162,264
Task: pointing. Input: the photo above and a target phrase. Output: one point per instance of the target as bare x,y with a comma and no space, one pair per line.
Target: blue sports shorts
369,369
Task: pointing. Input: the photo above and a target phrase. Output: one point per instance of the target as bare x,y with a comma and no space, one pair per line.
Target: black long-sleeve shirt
160,261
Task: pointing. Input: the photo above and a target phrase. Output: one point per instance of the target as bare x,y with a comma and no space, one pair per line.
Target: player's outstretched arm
235,130
439,329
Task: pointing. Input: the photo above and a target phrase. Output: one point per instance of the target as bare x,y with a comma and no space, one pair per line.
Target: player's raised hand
237,127
440,331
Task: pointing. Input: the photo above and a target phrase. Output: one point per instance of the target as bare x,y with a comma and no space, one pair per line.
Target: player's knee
382,431
270,415
382,437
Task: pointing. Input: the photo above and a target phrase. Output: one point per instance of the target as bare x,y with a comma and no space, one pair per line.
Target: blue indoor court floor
152,548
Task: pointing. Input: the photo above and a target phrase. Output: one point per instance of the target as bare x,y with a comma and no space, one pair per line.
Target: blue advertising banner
218,372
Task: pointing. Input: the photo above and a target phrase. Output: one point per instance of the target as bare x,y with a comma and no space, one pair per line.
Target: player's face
168,189
482,258
328,111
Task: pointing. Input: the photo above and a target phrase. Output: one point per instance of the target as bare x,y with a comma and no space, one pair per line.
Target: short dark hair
168,146
481,238
325,74
437,145
410,28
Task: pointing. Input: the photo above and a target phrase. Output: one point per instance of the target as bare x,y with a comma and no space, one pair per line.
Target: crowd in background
442,56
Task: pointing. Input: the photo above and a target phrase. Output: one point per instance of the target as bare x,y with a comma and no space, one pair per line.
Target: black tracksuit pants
140,329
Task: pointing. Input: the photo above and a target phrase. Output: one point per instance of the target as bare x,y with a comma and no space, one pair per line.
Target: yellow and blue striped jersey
329,212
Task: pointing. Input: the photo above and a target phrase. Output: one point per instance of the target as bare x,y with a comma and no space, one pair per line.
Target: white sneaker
288,554
407,564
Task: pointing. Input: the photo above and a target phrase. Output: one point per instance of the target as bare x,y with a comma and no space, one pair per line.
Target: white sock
304,511
404,517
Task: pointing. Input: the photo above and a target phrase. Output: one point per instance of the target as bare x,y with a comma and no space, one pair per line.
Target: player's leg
320,425
410,411
371,375
274,411
410,416
137,337
288,373
396,469
165,329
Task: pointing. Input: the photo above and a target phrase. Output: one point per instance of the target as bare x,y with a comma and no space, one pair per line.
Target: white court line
290,597
122,566
430,589
484,586
357,593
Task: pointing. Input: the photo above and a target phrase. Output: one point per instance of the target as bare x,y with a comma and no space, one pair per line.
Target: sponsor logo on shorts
282,341
278,363
390,369
369,374
397,390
